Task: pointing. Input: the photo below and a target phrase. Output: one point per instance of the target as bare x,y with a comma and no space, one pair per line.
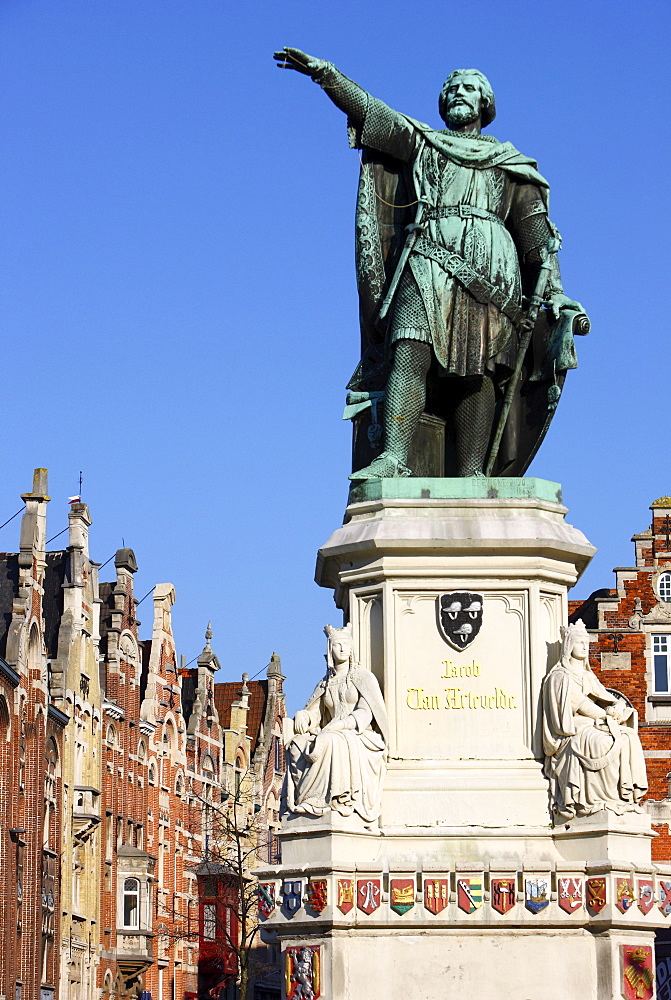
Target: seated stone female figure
593,755
337,757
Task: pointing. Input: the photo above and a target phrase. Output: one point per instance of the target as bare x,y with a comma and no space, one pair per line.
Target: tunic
475,192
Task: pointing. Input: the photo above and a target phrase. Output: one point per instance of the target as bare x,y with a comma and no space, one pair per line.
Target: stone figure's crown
570,632
345,632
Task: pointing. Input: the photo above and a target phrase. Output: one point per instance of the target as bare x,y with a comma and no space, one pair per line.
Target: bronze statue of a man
441,286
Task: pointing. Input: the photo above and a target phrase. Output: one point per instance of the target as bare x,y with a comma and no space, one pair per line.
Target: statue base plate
471,488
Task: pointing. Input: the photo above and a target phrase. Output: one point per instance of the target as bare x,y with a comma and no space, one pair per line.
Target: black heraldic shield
460,617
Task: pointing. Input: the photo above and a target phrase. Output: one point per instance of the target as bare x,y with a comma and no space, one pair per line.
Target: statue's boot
473,419
385,466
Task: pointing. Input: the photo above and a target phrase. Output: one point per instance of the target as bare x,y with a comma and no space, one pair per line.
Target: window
131,903
238,778
111,735
209,887
141,752
274,849
152,774
660,659
664,587
209,922
278,754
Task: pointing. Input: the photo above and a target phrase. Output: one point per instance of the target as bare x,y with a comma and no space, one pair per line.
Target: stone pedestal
464,885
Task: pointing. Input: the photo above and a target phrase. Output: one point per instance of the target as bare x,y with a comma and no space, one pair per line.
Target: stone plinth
464,885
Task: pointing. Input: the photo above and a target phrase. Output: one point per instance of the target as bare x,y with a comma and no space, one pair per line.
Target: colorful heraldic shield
596,894
318,894
469,894
302,973
345,900
292,890
436,894
460,617
646,894
637,972
503,894
664,897
266,898
368,894
625,894
570,894
536,894
402,894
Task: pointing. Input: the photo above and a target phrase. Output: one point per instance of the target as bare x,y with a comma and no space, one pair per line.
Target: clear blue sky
177,295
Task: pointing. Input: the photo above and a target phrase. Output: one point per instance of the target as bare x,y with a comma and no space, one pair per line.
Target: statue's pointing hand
288,58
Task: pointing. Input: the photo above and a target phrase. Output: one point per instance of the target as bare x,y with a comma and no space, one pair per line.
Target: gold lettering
454,698
417,692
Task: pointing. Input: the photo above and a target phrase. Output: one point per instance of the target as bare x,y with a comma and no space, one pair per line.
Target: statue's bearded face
463,100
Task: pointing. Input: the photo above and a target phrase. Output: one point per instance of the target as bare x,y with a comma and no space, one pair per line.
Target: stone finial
208,636
40,486
245,688
125,559
274,673
164,592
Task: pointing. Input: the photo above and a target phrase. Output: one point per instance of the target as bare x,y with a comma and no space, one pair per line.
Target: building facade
630,628
114,766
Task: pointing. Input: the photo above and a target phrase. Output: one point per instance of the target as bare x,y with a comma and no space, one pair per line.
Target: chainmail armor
409,311
473,419
345,93
533,234
406,395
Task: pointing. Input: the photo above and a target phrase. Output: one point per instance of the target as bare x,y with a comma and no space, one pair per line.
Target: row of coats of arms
470,893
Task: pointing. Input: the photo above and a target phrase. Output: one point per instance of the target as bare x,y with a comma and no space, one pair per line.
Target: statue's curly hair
488,104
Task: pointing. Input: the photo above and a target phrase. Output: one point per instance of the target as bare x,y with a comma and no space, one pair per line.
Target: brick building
630,626
111,759
31,766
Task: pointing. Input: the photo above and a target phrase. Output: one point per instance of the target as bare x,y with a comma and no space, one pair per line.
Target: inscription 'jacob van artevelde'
456,698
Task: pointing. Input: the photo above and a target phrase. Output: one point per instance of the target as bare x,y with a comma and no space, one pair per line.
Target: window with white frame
209,922
131,903
661,646
664,587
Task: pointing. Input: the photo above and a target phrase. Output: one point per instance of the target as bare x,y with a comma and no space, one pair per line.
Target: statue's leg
403,406
473,419
406,396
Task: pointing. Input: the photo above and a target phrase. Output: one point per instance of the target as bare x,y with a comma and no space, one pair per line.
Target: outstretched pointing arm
345,94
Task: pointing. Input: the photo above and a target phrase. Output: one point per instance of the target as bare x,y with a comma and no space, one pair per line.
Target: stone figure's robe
340,769
592,764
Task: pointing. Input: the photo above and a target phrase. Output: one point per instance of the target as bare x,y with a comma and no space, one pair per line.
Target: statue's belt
462,211
480,288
